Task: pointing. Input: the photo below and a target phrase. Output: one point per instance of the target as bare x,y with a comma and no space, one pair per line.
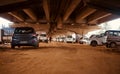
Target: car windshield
44,35
69,36
24,30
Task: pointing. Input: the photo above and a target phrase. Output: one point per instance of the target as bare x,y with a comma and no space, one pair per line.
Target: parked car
84,41
112,38
61,39
24,36
96,40
1,36
70,39
7,38
43,37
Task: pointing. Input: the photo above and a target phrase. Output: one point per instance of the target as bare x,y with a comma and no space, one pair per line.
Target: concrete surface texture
59,58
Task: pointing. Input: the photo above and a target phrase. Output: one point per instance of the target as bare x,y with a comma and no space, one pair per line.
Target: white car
96,40
84,41
70,39
43,38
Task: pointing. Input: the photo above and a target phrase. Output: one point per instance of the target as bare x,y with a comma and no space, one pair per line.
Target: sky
4,22
110,25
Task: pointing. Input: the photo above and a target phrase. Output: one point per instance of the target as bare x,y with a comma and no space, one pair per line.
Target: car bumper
24,43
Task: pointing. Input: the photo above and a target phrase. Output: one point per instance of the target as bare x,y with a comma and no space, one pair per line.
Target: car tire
18,46
36,46
113,45
12,46
46,41
107,45
93,43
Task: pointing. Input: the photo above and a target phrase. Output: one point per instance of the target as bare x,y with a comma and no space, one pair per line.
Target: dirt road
59,58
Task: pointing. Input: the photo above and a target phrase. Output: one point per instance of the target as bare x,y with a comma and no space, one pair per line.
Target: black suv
24,36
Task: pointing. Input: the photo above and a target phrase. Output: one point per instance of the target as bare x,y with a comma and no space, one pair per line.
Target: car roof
113,30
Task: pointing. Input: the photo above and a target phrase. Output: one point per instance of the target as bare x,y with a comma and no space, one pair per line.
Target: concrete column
59,24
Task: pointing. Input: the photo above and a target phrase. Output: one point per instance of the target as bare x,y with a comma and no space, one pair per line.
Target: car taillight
34,35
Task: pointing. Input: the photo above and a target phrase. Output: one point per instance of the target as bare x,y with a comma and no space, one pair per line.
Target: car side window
111,33
118,33
24,31
115,33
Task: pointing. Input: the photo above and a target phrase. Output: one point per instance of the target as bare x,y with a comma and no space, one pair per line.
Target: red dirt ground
59,58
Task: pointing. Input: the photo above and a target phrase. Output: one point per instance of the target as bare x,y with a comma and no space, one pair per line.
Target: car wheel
46,41
94,43
12,46
113,45
18,46
107,45
36,46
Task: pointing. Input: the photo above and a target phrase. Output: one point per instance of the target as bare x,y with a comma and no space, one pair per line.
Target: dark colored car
24,36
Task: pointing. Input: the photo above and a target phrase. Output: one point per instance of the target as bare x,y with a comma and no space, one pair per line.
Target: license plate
23,42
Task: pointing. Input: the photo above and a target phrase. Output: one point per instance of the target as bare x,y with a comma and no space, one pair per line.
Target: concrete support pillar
52,26
59,24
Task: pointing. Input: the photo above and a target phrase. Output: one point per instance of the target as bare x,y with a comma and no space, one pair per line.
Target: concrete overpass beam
108,18
16,15
30,14
86,12
98,15
46,9
70,9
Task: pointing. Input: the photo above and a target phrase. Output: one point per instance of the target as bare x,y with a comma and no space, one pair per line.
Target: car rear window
23,30
69,36
44,35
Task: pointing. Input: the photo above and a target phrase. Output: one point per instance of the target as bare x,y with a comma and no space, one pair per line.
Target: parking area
59,58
